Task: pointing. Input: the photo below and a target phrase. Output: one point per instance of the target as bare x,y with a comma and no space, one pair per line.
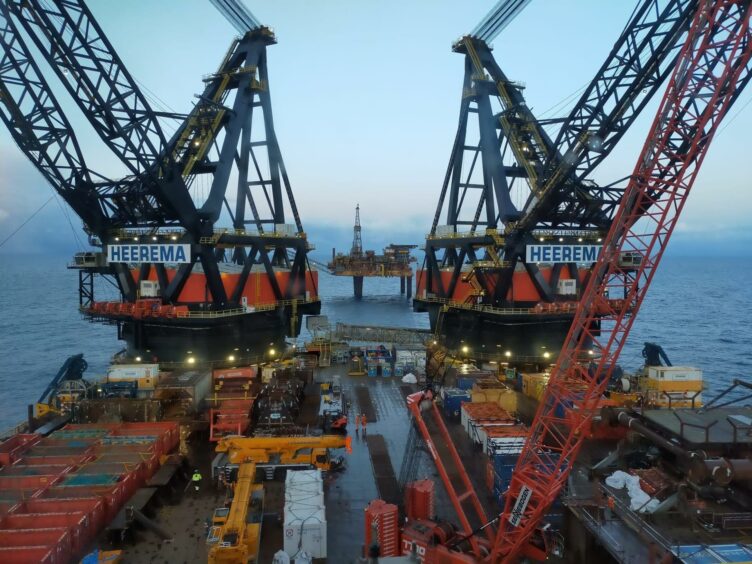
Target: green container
90,479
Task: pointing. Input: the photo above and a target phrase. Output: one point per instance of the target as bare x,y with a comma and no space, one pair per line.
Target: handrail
209,314
482,308
218,233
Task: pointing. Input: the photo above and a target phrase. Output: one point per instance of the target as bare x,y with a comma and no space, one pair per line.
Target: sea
696,308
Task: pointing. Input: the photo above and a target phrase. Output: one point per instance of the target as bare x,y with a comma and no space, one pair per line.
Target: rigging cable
67,216
28,219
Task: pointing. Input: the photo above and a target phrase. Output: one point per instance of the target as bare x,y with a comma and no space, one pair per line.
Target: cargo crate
28,482
38,470
89,480
62,459
27,554
76,523
12,449
93,507
36,537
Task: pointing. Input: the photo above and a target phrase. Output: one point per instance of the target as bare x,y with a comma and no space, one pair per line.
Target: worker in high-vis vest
196,480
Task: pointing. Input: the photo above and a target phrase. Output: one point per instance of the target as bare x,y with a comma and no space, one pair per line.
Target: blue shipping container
453,400
503,460
465,383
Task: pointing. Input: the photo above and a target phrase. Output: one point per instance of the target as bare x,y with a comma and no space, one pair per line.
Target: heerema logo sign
562,253
520,505
178,253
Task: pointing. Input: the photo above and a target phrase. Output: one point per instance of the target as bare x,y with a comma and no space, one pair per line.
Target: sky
366,98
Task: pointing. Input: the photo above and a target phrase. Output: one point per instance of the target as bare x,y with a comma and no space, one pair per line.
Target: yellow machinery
237,539
304,451
236,536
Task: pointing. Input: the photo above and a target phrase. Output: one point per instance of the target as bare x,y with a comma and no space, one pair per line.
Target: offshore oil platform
395,262
213,438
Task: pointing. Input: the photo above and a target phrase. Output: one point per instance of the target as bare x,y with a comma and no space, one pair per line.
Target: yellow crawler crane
303,451
237,540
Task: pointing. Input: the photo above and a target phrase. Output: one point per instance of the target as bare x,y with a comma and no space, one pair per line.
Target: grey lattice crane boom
497,19
238,14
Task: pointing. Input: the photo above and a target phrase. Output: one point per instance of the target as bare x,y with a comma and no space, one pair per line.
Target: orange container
28,482
242,373
57,537
91,506
27,470
12,449
27,554
76,523
61,459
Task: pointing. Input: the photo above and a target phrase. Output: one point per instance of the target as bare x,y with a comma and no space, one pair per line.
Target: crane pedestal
358,286
406,286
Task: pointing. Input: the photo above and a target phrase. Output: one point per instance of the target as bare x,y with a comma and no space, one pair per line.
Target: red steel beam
425,399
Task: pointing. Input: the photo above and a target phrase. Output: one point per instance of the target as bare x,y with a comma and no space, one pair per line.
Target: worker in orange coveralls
611,505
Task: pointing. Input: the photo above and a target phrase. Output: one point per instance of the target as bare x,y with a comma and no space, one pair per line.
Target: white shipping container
505,445
301,495
303,476
305,530
479,431
464,419
674,373
304,486
267,372
404,357
132,372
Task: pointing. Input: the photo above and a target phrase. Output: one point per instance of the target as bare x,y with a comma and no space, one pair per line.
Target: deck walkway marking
365,403
383,471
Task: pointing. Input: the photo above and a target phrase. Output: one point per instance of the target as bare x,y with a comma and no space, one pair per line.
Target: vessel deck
367,476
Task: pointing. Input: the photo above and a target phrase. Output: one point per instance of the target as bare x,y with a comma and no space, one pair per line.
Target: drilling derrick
520,222
357,245
190,288
396,261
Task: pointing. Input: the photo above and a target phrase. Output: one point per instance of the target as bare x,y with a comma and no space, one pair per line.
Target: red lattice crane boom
713,66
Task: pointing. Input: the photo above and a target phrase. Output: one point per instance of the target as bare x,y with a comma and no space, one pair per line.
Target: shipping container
453,400
34,470
93,507
77,524
241,373
57,537
12,449
305,487
27,482
305,530
59,460
28,554
191,387
534,385
132,371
